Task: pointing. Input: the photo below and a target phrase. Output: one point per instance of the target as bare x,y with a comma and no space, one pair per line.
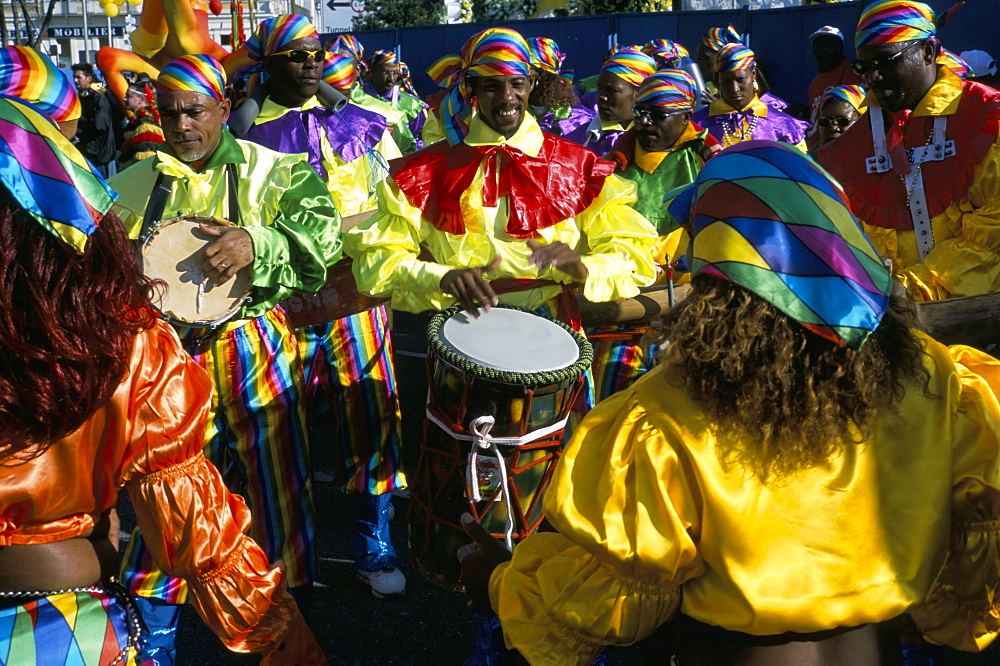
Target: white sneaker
384,582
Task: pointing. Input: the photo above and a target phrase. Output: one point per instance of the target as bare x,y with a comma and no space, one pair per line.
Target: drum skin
173,255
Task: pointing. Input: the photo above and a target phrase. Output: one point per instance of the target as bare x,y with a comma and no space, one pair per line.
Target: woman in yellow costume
802,469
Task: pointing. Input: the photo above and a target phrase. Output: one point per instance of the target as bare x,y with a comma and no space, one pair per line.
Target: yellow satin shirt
648,523
615,241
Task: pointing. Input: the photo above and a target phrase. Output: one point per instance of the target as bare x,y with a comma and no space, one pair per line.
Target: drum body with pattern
172,253
521,372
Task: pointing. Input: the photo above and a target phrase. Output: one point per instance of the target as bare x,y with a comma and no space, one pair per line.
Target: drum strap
161,191
156,204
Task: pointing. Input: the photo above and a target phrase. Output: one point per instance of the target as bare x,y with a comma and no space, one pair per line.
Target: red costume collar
880,198
542,191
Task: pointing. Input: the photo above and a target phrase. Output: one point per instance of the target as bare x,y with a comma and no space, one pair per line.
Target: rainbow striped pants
70,629
258,440
619,357
350,361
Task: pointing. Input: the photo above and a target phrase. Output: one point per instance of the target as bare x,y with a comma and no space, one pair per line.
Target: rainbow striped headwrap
30,74
665,48
545,55
853,95
630,65
891,21
339,71
195,73
47,176
734,57
404,74
492,52
274,33
670,89
764,216
954,63
348,45
384,57
716,38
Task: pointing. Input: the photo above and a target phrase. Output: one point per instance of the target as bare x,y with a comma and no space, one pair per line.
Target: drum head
510,340
173,253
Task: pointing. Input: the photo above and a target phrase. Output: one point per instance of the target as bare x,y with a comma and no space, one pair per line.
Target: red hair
67,325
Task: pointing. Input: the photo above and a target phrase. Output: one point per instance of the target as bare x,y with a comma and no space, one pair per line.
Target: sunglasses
842,123
653,116
298,55
864,67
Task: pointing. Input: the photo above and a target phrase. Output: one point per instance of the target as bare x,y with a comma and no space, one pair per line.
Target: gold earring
756,86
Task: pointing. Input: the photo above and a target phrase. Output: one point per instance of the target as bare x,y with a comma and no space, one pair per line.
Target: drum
336,299
172,253
516,374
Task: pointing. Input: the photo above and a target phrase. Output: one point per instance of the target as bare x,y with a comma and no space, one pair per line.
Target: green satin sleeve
293,252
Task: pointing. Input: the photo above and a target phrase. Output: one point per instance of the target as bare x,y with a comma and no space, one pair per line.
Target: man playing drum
351,358
286,234
505,213
921,170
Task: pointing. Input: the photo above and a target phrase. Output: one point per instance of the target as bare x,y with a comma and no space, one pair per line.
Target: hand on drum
470,288
478,560
231,251
558,255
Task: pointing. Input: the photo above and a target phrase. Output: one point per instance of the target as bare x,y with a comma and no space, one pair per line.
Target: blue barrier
779,37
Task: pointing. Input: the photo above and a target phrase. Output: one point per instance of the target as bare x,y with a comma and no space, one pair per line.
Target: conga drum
501,390
172,254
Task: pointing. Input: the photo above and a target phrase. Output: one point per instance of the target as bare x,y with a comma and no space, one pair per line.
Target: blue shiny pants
373,548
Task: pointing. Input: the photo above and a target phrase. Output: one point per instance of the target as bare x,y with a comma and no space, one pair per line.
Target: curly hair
792,398
552,91
67,325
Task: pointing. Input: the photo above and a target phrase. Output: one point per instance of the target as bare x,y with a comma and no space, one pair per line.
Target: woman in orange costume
96,394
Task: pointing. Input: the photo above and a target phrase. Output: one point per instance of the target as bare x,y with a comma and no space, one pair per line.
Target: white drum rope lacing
482,439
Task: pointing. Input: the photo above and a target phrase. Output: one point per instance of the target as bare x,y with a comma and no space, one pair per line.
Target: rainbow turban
348,45
716,38
853,95
404,74
339,71
665,48
545,55
764,216
195,73
492,52
30,74
274,33
890,21
47,176
670,89
384,57
630,65
954,63
734,57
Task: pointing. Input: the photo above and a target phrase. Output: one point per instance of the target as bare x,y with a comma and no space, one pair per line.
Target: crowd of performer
781,469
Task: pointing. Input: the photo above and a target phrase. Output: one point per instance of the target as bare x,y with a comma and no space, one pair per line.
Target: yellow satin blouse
148,438
615,241
648,522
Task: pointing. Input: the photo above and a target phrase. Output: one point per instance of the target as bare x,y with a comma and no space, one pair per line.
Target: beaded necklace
737,135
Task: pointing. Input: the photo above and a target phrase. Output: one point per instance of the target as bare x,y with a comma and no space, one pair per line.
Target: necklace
737,135
910,180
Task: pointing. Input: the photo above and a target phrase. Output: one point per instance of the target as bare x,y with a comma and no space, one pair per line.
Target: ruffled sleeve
291,252
385,250
962,609
620,241
625,512
192,524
